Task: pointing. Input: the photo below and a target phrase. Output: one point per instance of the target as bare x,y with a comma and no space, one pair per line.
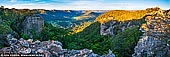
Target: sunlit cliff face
121,15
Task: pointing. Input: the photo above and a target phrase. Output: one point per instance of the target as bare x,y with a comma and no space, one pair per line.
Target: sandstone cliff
154,42
114,26
32,25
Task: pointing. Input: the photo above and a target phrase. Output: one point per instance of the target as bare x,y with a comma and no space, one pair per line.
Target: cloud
93,5
79,5
13,0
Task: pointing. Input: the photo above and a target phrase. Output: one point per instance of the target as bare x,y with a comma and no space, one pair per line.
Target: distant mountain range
68,18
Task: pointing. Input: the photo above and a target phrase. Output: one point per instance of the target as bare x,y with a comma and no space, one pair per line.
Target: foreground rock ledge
48,48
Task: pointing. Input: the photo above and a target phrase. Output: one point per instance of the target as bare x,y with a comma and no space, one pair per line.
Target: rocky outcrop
32,23
107,30
112,27
151,43
47,48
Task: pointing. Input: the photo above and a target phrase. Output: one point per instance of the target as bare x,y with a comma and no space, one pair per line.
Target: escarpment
154,41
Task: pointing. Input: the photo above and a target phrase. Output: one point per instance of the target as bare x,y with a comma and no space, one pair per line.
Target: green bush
24,36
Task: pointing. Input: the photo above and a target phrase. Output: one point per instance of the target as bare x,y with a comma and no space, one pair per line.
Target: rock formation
112,27
107,30
151,43
33,23
47,48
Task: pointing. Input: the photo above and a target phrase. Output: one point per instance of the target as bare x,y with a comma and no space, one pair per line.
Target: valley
72,18
85,33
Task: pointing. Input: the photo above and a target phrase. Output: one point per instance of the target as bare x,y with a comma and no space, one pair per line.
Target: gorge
112,33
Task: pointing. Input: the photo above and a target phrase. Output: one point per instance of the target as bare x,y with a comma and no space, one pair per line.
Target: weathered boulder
25,50
110,54
13,41
23,42
40,50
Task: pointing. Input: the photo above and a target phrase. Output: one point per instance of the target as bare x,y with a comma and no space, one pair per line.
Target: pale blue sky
86,4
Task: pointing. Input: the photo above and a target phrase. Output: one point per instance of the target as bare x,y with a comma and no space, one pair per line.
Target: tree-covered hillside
121,44
121,15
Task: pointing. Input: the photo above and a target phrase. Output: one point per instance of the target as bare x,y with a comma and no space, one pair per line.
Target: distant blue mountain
66,19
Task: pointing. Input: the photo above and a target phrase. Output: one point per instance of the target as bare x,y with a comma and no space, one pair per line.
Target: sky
86,4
